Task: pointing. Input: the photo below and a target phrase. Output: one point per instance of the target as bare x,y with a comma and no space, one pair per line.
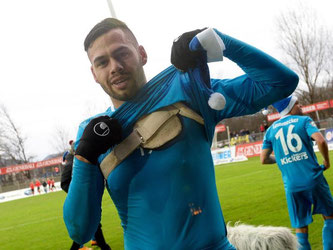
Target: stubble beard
131,90
127,95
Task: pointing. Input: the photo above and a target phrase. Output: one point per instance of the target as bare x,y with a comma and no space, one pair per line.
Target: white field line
240,176
29,223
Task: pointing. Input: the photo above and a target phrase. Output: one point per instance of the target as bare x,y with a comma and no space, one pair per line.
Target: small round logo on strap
101,129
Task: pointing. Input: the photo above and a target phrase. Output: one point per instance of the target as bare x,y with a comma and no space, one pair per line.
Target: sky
45,79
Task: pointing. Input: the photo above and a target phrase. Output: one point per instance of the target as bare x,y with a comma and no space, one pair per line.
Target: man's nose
116,66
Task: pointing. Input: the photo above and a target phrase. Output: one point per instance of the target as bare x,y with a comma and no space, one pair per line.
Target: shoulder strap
143,130
189,113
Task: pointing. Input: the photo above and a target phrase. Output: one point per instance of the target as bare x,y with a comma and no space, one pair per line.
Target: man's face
117,65
297,109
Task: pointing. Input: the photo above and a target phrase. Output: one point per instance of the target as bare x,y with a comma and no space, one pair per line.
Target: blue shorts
303,204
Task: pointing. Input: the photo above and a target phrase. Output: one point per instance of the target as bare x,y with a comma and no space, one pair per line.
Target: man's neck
116,103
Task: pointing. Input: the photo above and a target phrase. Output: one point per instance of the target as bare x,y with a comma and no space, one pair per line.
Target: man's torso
293,148
171,191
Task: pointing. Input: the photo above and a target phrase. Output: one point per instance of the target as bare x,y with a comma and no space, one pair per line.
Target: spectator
49,183
37,183
32,188
262,128
52,184
44,185
253,136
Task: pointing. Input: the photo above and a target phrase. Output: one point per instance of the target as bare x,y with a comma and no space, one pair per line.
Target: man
67,161
37,184
48,183
52,184
32,187
290,138
44,184
165,193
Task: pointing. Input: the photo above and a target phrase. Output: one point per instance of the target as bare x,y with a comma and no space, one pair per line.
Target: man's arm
266,157
323,148
82,207
265,82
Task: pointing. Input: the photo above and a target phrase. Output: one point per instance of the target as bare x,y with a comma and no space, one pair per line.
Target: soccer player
165,192
291,138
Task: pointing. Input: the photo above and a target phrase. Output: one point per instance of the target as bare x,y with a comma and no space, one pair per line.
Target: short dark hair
103,27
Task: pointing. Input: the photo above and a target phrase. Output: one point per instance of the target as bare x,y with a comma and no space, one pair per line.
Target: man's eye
102,63
122,55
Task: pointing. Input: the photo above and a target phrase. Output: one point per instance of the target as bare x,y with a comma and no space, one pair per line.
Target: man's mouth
120,83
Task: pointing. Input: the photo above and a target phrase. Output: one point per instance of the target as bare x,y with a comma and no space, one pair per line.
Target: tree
308,46
60,140
12,143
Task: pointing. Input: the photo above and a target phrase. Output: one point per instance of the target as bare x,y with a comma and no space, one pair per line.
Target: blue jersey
166,198
290,139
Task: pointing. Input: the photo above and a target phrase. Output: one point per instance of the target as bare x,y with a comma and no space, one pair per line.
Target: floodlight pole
214,144
112,11
228,132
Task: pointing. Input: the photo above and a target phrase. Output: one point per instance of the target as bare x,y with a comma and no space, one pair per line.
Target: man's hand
100,134
266,157
326,164
181,56
323,148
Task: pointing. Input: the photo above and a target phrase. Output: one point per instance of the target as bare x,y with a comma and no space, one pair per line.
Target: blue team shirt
166,198
290,139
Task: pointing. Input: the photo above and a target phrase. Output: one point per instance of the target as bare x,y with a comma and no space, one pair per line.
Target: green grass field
249,192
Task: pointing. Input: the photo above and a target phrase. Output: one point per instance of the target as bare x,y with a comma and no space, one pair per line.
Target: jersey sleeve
82,207
266,80
267,144
310,126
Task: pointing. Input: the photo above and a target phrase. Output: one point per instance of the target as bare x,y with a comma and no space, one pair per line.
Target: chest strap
151,131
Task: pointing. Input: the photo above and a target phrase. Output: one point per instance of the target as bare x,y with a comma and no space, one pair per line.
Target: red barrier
249,150
220,128
306,109
30,166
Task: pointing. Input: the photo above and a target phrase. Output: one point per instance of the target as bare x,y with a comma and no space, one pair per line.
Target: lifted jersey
166,198
290,139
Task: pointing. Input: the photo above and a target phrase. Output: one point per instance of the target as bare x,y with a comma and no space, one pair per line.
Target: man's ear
143,55
93,72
